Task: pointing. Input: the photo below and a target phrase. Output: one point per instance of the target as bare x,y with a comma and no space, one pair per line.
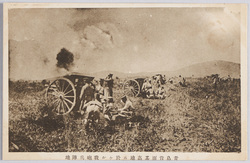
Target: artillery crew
94,111
153,90
102,104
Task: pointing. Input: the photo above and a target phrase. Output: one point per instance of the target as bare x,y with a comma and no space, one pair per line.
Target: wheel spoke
61,107
68,92
53,89
135,85
133,91
61,96
69,96
66,88
129,92
67,106
54,101
57,86
53,93
63,85
69,101
62,103
58,107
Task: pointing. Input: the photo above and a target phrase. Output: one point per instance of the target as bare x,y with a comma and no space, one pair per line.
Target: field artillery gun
133,87
63,93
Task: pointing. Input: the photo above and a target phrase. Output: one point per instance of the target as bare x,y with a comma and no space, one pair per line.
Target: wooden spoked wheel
131,88
61,96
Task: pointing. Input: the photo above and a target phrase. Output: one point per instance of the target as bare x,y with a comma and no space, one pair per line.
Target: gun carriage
63,93
133,87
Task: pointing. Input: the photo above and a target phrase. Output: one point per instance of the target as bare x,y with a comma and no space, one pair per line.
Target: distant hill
223,68
103,74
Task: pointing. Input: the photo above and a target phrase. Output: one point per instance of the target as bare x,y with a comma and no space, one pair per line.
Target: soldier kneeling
126,112
161,93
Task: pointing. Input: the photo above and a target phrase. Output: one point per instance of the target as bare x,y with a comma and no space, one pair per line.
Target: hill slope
223,68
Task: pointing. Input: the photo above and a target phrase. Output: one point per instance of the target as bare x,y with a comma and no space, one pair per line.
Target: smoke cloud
65,59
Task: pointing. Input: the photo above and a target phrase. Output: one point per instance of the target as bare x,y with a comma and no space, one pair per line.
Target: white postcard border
172,155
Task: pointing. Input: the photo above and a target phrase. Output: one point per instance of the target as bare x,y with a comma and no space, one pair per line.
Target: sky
129,40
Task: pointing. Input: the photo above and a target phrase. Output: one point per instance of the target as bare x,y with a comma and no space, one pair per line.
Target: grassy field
195,118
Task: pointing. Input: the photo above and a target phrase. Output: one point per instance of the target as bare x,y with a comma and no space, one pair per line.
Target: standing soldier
99,90
87,93
108,86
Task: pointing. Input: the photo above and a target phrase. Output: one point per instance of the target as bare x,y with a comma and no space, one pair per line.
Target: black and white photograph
128,83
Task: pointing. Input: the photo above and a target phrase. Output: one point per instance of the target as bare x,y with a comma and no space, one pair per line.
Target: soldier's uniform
148,89
86,94
126,111
108,86
161,94
91,111
100,92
